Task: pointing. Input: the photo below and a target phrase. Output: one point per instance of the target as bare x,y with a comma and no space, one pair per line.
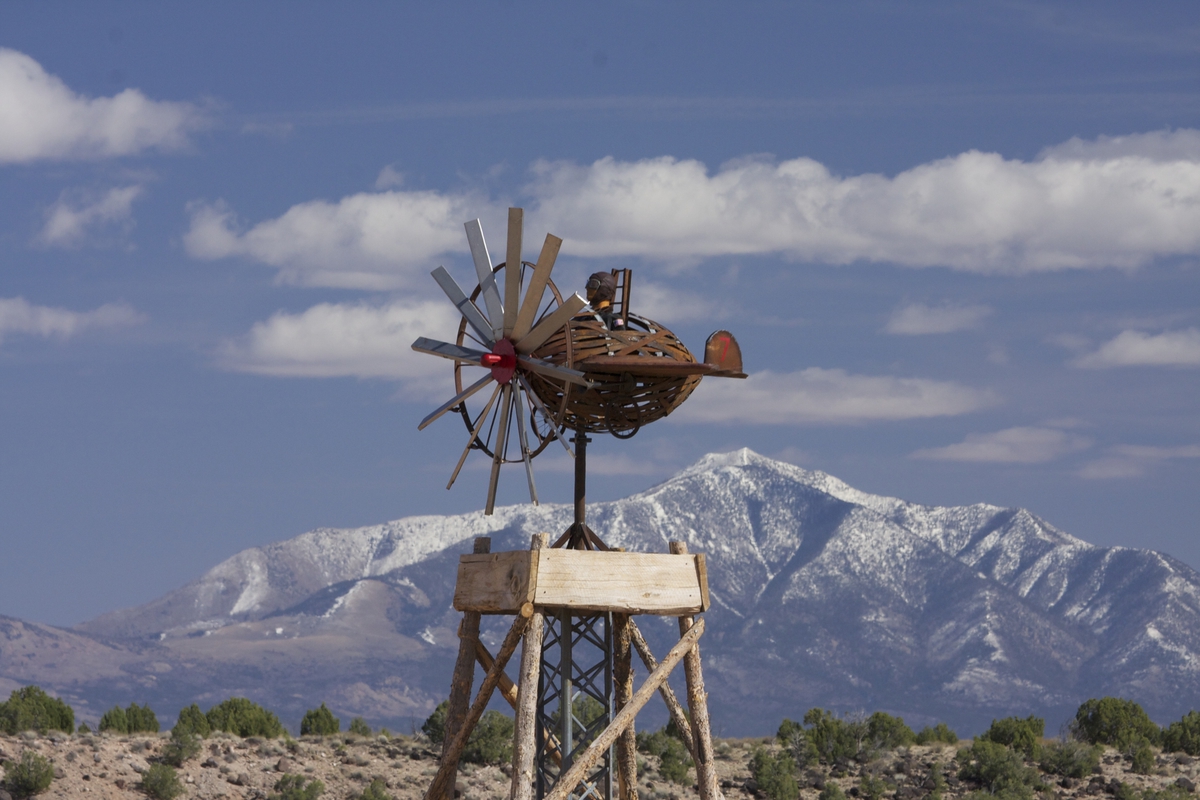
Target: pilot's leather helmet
601,286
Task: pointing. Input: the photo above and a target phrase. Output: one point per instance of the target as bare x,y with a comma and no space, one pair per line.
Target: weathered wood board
588,580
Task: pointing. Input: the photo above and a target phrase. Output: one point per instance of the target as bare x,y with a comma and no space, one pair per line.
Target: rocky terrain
104,767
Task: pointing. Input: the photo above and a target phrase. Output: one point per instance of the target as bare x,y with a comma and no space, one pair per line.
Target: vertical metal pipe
566,667
580,441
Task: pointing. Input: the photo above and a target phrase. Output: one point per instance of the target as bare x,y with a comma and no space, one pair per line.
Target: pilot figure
601,289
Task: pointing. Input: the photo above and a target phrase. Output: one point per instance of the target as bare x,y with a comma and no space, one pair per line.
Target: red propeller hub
502,361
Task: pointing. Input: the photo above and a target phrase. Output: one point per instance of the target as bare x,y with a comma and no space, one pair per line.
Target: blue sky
958,243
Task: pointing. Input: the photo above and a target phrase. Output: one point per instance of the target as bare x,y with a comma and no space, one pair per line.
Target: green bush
775,774
1141,754
938,733
836,740
141,719
871,787
359,727
1183,736
998,769
1114,721
377,790
886,732
241,717
31,709
192,720
161,782
114,720
674,761
1167,793
831,792
435,724
83,728
293,787
797,742
184,745
32,775
1022,735
492,740
1070,759
319,722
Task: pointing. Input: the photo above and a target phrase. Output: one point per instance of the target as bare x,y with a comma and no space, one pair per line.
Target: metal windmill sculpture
559,364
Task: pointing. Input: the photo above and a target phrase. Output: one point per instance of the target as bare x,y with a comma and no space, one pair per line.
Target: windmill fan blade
465,307
480,422
446,350
519,407
552,322
487,280
537,286
498,452
549,419
554,371
458,398
512,269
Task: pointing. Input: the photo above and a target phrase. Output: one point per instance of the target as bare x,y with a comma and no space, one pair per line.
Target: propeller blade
498,452
542,407
520,409
537,286
447,350
554,371
487,281
512,269
465,307
458,398
549,324
479,423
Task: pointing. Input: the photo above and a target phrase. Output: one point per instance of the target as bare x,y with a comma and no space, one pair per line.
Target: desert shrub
377,790
1183,736
775,774
835,740
293,787
1141,755
31,709
192,720
141,719
83,728
1167,793
674,761
998,769
886,732
114,720
161,782
935,782
241,717
492,740
1113,721
871,787
831,792
32,775
938,733
793,738
319,722
435,725
184,745
359,727
1022,735
1069,759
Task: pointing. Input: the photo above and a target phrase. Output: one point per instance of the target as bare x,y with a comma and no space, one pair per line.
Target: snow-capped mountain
822,595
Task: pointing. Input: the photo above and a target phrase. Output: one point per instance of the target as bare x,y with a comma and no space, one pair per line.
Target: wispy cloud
1135,349
1132,461
916,319
828,396
73,220
41,118
1022,445
18,315
1082,205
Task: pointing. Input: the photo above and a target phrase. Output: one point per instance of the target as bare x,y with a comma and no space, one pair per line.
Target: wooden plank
537,286
630,583
702,576
496,583
512,269
706,770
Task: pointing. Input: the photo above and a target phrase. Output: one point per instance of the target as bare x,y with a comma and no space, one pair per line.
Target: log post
668,694
525,735
464,677
623,689
706,768
582,763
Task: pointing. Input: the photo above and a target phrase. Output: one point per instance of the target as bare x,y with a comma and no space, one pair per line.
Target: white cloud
1131,461
827,396
18,315
41,118
658,302
348,340
1010,446
917,319
1134,348
69,222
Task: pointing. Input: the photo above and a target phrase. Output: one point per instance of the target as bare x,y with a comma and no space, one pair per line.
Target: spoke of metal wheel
446,350
500,443
487,280
512,269
479,423
550,323
519,407
554,371
458,398
545,413
537,286
464,305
